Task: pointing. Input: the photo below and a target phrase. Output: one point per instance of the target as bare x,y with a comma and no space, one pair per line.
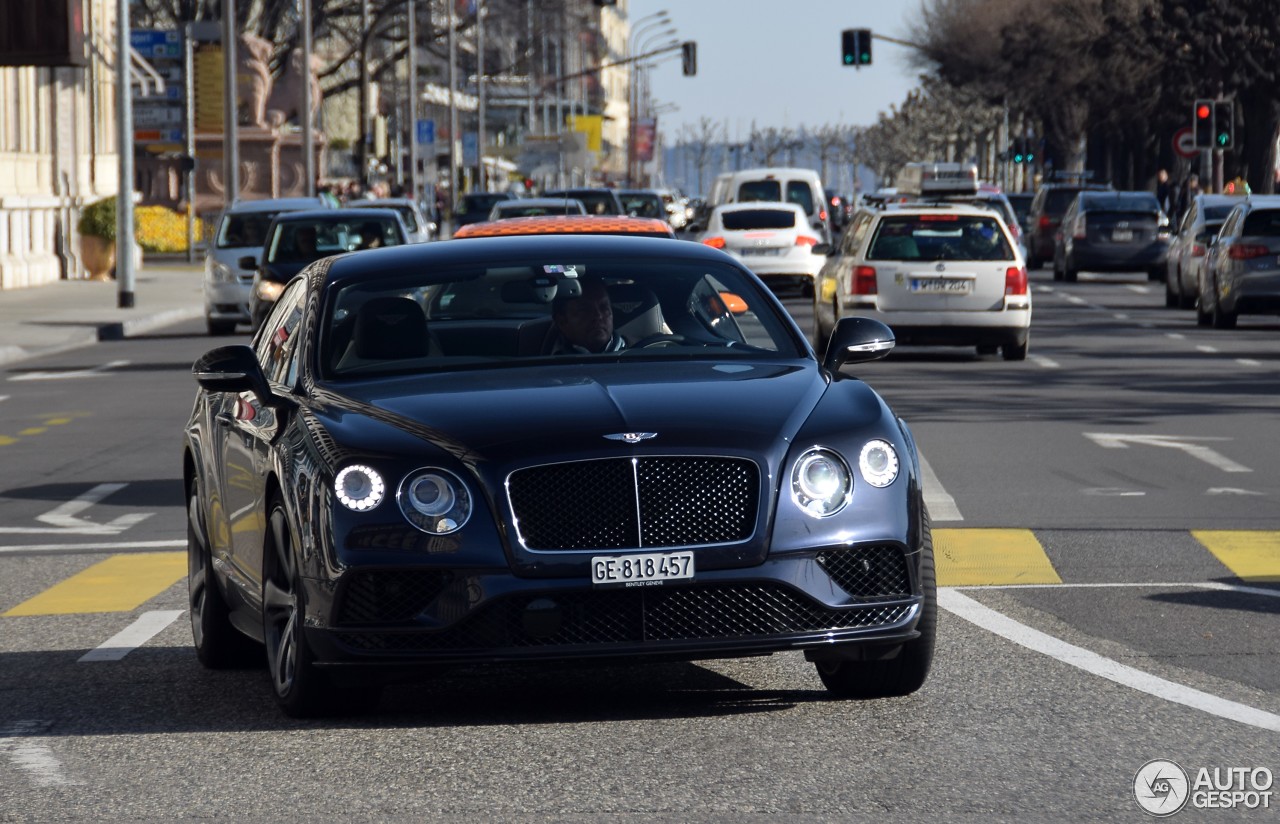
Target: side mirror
248,263
232,368
826,249
857,340
733,303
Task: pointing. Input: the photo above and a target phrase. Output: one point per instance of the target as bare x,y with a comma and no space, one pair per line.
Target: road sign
1184,142
153,43
426,131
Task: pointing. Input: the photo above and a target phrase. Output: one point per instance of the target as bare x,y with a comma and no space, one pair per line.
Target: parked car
774,240
936,274
360,506
1112,232
419,227
1021,203
1051,200
599,201
232,258
476,206
1190,246
1242,273
568,225
295,239
536,207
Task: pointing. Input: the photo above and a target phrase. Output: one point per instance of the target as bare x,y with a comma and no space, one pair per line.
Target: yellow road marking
1252,555
35,430
121,583
986,557
5,440
57,421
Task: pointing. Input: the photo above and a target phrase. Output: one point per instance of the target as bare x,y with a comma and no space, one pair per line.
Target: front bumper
801,601
227,301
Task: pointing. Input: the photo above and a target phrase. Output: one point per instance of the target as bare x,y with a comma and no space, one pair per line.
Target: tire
1203,318
300,689
220,328
1223,319
1172,300
1070,274
905,672
821,332
987,349
1156,273
219,645
1016,350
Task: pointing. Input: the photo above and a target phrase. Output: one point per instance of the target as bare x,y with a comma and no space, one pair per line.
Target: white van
778,183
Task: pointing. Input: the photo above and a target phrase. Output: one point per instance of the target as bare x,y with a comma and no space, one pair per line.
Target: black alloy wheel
904,672
300,689
219,645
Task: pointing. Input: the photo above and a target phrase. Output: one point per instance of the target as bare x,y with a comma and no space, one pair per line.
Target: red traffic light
1204,111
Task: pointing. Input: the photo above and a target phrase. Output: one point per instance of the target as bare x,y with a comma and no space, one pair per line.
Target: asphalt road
1108,514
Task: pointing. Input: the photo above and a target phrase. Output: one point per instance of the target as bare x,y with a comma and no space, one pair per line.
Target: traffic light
1224,124
1202,117
689,57
855,47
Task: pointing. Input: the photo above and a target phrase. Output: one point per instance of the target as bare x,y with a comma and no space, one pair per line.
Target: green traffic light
1222,138
865,58
848,59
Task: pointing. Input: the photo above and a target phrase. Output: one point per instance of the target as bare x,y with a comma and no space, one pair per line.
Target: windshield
939,237
302,241
513,315
247,229
643,205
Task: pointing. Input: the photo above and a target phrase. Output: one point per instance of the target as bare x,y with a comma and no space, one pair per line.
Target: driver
585,323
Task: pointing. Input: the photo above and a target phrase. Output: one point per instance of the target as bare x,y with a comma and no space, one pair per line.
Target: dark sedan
549,448
1112,232
296,239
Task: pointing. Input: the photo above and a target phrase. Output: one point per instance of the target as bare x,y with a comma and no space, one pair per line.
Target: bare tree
701,141
770,142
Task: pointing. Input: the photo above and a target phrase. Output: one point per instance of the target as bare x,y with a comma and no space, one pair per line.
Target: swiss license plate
761,250
650,569
1122,235
940,286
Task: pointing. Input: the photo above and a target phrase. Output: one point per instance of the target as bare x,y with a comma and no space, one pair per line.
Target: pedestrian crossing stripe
1251,556
121,583
990,557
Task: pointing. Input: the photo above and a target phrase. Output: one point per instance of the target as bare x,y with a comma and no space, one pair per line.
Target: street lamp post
644,24
124,143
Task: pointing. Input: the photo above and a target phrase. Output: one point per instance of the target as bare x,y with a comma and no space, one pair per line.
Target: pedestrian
1166,193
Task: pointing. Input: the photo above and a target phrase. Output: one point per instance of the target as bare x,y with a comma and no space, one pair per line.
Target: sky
777,62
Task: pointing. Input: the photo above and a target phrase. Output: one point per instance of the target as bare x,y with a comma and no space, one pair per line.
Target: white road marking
148,625
1217,585
1077,300
1047,363
1204,453
1044,289
1113,492
31,755
65,518
942,507
970,610
1175,336
1141,290
1248,362
4,397
1208,350
95,372
93,546
1120,316
1230,490
1146,325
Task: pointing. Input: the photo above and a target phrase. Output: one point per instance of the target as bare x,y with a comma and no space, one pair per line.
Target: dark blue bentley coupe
549,448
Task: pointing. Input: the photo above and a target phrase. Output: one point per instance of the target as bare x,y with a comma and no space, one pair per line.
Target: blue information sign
426,131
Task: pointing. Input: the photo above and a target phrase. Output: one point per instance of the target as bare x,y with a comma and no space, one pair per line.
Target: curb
96,333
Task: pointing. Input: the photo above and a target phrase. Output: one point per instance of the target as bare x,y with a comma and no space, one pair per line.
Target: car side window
277,345
856,234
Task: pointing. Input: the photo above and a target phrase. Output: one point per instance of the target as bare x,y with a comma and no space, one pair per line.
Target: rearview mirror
232,368
857,340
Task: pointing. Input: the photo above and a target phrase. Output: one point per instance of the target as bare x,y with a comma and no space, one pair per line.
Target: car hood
566,412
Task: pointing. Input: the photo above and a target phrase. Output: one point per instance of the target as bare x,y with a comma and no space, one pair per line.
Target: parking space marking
1251,556
962,606
148,625
121,583
991,556
942,507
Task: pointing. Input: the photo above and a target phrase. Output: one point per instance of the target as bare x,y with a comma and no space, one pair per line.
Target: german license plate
1122,235
940,286
650,569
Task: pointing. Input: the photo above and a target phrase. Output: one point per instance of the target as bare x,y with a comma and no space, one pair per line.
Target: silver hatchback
241,232
1242,273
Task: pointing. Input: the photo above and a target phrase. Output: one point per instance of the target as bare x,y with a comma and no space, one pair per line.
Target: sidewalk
68,314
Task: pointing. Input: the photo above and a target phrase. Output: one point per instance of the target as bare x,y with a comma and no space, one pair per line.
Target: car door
248,428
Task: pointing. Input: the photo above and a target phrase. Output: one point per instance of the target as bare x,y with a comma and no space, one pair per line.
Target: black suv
1051,200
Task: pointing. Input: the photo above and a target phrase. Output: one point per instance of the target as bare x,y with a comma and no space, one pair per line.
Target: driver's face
587,321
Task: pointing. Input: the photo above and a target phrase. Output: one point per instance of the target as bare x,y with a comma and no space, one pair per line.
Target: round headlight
878,463
435,501
821,483
359,488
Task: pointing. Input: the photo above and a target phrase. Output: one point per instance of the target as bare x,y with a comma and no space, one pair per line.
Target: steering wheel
658,341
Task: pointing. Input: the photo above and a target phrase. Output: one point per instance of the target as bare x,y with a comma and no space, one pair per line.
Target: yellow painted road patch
1251,555
990,557
121,583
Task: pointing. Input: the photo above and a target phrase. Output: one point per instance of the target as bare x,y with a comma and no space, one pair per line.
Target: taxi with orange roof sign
568,225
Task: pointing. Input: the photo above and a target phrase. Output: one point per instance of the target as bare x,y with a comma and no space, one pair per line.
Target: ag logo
1161,788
